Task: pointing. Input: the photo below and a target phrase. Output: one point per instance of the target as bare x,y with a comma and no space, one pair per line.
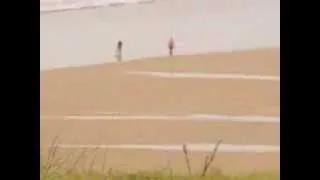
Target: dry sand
108,88
159,132
264,61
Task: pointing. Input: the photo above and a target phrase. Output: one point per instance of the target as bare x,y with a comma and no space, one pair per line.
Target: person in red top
171,46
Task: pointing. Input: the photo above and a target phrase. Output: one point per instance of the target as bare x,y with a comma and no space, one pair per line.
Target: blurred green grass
54,167
155,175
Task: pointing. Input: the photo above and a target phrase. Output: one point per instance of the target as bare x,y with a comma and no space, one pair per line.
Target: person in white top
119,51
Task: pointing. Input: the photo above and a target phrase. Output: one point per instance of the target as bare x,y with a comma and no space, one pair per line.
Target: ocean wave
58,5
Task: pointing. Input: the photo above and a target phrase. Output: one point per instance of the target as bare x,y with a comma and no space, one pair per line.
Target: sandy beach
100,91
222,83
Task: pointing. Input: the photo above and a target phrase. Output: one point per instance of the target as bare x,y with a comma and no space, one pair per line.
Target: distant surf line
178,147
204,75
191,117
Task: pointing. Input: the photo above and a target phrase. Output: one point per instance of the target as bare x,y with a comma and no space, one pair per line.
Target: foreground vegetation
54,167
156,175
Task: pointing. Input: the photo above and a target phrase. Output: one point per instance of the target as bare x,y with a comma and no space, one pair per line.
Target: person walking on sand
119,51
171,46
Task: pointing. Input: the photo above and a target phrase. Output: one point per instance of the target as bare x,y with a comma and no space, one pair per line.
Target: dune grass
155,175
53,167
